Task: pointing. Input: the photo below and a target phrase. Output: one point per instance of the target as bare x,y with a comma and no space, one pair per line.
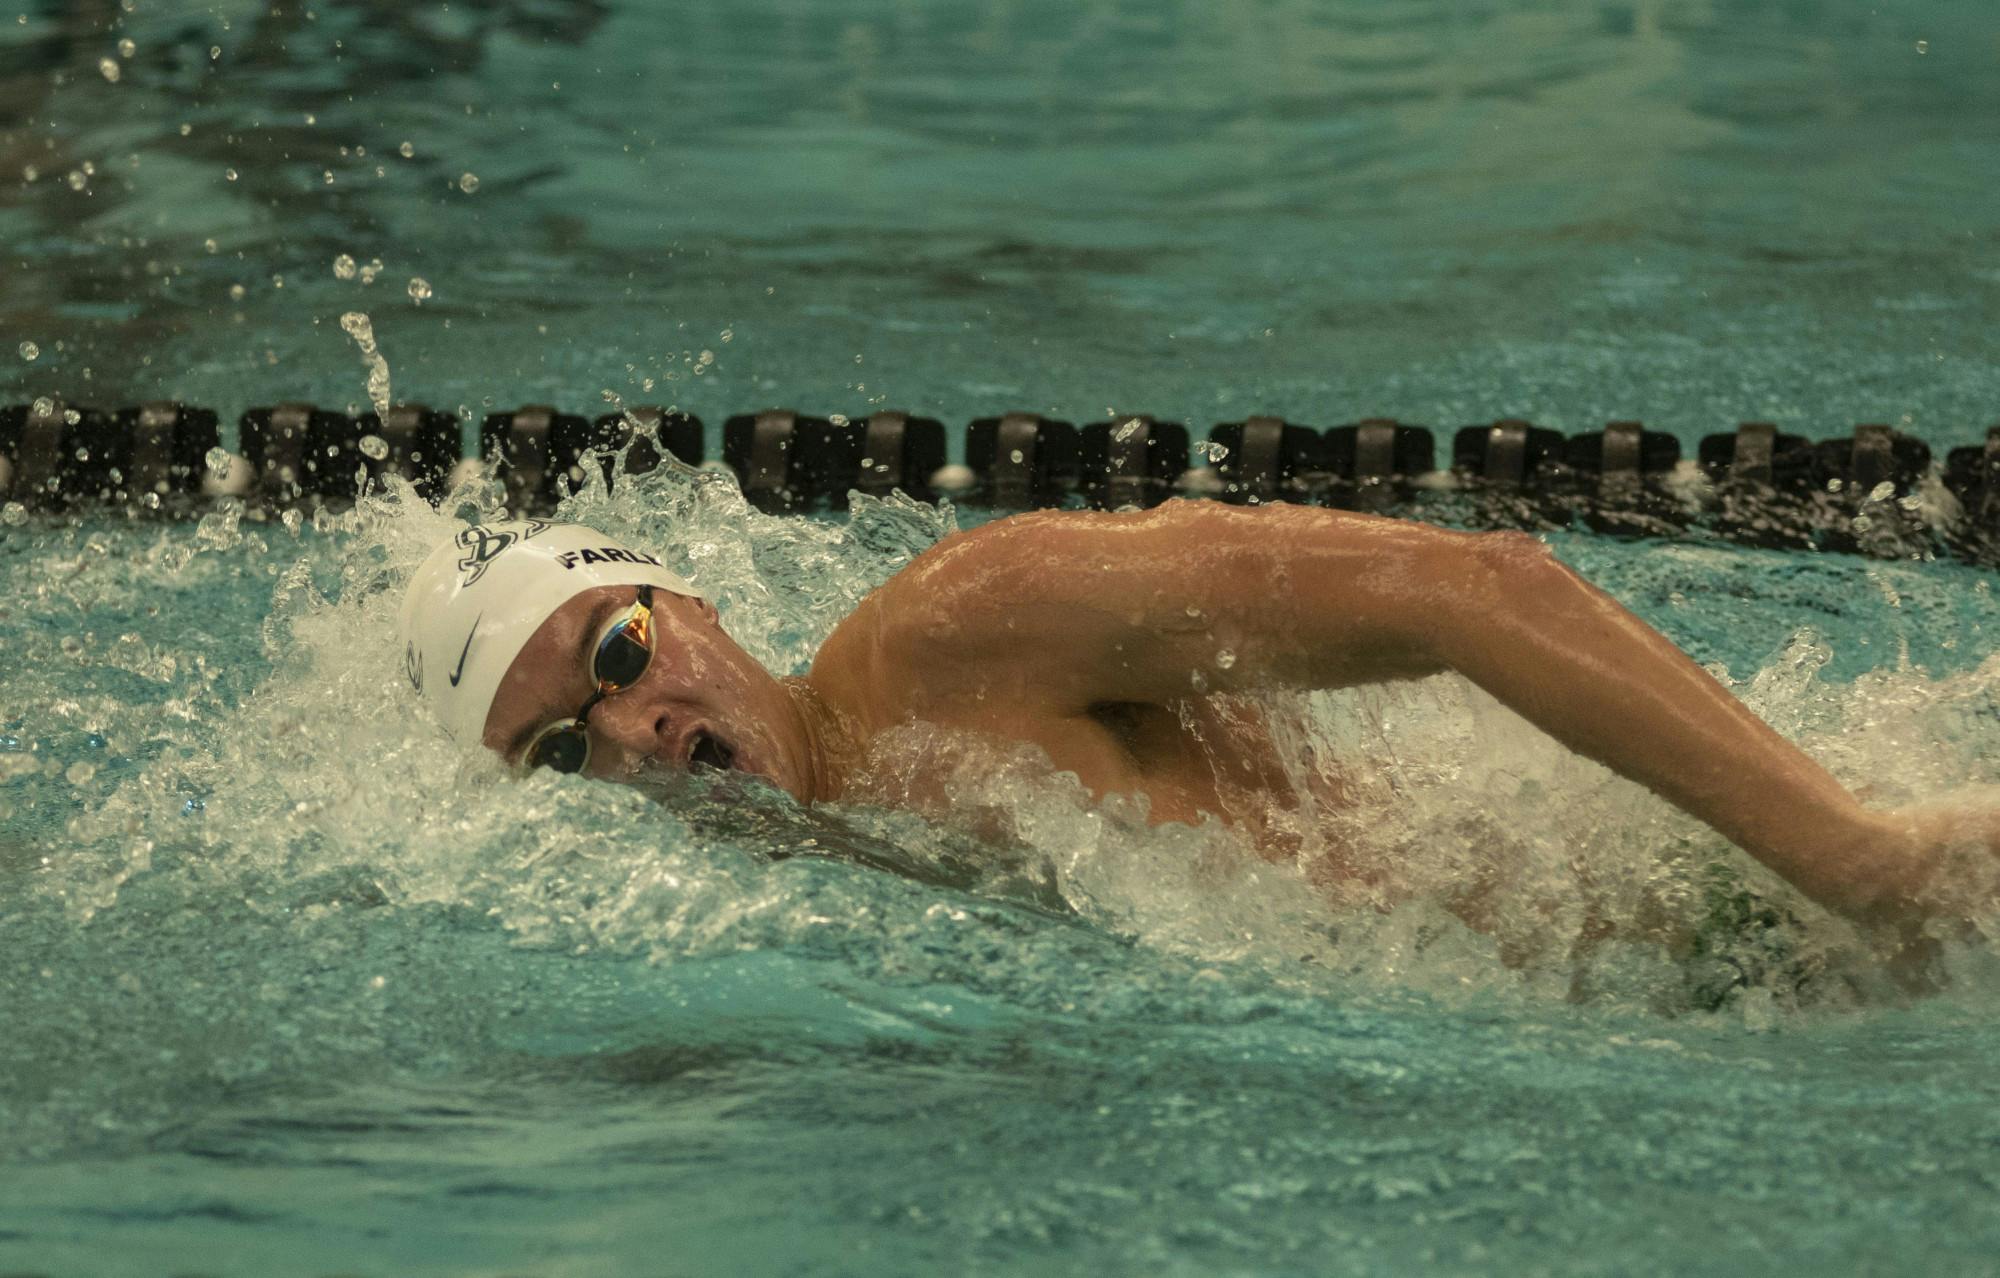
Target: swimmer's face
702,700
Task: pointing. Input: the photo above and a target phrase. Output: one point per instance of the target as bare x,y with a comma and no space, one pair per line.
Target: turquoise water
287,987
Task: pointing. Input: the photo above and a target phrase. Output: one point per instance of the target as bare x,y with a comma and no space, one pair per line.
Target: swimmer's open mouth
710,752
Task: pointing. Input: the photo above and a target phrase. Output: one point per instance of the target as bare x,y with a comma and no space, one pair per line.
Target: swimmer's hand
1937,860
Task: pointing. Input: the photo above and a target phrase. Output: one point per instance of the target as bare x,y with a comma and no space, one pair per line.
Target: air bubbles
1210,451
13,514
344,267
229,175
1923,46
236,292
126,48
1225,658
30,351
406,150
214,52
420,289
374,447
216,461
108,68
468,182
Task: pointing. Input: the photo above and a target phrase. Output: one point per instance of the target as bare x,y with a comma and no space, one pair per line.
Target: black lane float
1874,491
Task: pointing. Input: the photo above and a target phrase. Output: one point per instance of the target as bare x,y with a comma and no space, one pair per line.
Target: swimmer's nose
633,721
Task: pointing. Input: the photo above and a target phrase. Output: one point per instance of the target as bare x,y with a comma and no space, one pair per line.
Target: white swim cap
480,597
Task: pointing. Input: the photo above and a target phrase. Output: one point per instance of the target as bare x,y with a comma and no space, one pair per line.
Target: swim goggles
623,651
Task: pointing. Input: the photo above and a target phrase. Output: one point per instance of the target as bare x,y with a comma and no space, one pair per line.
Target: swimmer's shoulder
942,629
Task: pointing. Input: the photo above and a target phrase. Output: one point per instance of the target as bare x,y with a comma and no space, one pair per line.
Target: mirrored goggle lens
563,749
623,653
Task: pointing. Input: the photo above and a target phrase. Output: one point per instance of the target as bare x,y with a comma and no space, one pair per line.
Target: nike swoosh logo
467,648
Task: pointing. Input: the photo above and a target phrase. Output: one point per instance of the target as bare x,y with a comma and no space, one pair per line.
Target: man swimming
1108,642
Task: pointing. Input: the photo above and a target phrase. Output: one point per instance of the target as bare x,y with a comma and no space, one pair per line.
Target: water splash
356,325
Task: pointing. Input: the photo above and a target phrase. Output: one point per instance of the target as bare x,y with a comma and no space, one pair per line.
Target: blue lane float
1752,484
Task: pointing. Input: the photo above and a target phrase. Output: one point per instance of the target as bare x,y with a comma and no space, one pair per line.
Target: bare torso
1191,759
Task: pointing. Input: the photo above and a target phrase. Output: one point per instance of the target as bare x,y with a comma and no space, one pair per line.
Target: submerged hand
1935,860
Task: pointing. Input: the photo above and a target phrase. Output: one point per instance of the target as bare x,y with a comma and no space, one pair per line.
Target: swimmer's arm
1152,607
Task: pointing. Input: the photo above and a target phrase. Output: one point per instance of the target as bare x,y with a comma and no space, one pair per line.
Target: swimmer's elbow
1514,556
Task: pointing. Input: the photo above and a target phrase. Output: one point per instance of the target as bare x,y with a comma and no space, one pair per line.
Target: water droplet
80,773
375,447
126,48
406,150
356,325
420,289
108,68
30,351
343,267
13,514
468,182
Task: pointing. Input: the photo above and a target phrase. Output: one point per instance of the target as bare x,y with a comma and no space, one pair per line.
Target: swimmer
1103,640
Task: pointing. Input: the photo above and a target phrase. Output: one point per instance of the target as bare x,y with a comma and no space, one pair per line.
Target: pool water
288,986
